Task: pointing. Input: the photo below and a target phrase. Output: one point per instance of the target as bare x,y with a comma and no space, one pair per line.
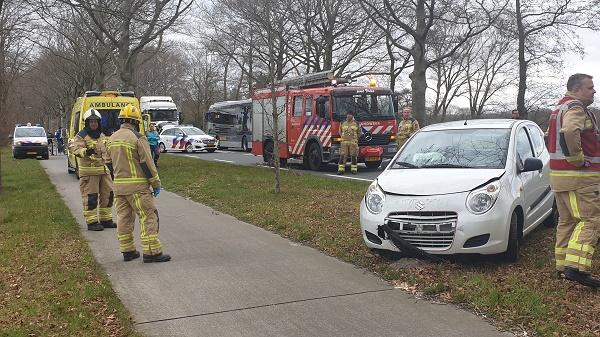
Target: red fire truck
310,110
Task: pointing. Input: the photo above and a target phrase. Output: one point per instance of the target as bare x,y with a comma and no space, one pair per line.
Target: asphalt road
239,157
230,278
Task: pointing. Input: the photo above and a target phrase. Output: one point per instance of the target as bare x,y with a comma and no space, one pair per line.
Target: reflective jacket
350,132
406,128
131,160
573,145
92,165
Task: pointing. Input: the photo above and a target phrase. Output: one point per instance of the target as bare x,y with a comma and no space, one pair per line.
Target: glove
90,151
156,191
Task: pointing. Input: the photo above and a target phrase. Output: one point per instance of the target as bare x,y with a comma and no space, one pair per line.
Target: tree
545,30
417,19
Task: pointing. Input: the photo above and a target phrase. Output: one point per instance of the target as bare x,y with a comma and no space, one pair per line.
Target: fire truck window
323,107
297,106
308,106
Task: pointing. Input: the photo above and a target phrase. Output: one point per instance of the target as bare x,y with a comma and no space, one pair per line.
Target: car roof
473,124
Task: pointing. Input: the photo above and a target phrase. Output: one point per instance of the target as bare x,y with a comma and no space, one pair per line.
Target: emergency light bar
320,79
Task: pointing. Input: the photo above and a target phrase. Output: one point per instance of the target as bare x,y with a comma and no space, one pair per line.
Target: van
29,140
109,104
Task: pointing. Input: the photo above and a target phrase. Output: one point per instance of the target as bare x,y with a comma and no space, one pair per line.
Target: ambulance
109,104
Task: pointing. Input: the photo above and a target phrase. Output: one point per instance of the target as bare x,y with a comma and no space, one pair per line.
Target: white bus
231,123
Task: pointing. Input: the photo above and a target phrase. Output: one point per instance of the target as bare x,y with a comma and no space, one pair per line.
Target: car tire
162,148
314,157
188,148
514,240
373,164
46,156
552,220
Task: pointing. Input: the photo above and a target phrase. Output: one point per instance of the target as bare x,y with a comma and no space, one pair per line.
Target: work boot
108,224
340,173
96,226
160,257
354,172
128,256
584,278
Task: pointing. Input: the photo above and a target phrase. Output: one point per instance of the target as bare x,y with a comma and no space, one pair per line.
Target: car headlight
482,199
374,198
18,143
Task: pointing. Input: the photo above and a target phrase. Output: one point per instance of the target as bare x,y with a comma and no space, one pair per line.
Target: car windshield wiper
445,165
405,164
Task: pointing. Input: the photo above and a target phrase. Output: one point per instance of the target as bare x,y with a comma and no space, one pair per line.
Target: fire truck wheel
268,152
315,158
373,164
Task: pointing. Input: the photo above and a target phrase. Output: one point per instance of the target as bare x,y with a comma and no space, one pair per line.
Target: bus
231,123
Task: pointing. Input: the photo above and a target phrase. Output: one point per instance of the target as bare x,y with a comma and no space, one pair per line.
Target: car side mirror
532,164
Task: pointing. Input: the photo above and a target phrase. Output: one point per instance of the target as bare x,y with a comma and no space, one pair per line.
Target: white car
29,140
474,186
185,139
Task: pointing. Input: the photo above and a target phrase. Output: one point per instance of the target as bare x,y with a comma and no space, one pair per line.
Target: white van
29,140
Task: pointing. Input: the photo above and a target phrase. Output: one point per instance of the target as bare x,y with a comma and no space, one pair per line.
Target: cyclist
60,145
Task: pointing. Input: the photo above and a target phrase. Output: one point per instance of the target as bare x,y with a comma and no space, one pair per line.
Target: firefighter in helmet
349,132
135,182
406,126
94,180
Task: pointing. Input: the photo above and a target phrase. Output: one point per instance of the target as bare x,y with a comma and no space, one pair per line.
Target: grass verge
50,284
524,297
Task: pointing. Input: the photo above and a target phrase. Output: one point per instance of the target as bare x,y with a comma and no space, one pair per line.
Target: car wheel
268,152
514,240
46,156
188,148
162,148
315,158
373,164
552,220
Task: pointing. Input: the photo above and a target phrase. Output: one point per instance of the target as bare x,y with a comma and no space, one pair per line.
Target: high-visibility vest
589,141
349,132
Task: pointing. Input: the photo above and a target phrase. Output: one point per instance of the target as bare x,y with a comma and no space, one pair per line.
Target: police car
29,140
180,138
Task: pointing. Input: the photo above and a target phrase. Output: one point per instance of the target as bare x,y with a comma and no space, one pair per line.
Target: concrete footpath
229,278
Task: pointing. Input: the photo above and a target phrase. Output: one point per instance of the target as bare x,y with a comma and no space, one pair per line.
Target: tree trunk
522,63
225,71
419,86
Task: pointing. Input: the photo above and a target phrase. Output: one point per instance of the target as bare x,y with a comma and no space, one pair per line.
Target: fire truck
310,110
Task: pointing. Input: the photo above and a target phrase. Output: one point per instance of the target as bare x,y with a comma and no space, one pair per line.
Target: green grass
323,213
50,284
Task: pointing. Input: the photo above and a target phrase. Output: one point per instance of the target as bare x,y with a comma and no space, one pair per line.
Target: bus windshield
164,115
222,118
366,106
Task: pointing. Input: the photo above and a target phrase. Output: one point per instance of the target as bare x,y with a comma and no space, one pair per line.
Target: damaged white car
474,186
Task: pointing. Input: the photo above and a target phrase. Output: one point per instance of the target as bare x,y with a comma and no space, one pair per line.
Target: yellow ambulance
109,104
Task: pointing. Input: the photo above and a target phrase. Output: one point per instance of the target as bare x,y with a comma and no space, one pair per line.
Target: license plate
32,152
372,159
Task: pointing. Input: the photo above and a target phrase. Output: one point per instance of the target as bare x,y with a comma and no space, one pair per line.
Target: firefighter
349,132
95,184
406,126
575,179
134,173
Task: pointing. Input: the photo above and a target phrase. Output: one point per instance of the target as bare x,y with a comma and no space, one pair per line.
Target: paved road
229,278
243,158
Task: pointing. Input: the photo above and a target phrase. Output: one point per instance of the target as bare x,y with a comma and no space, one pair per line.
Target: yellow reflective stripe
573,202
91,169
125,236
575,158
138,204
119,143
153,179
131,163
578,174
581,247
81,153
579,260
121,181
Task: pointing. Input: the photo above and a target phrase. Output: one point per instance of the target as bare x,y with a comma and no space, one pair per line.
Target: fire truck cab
310,110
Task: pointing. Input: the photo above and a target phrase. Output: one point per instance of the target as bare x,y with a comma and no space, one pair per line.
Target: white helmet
91,114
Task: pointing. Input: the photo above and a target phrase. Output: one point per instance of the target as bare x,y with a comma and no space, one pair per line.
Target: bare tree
417,19
545,30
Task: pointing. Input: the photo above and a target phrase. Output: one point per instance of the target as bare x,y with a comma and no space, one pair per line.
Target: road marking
272,167
189,155
344,177
225,161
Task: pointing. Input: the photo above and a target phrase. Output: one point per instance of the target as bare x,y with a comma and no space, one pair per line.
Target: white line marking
225,161
189,155
344,177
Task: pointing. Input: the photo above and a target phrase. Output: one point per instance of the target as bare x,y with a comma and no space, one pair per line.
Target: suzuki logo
419,205
368,136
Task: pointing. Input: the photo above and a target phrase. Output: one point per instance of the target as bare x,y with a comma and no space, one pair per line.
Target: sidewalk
229,278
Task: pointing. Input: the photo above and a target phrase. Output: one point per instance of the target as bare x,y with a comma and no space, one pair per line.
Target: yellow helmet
130,112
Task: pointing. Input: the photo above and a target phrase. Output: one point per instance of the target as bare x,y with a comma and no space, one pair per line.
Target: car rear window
468,148
30,132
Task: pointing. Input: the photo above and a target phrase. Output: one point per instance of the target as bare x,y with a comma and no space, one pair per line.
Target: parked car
185,139
476,186
29,140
